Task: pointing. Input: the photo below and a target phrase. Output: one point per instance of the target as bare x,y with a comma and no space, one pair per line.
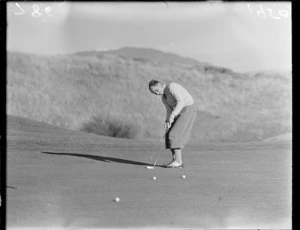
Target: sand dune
72,90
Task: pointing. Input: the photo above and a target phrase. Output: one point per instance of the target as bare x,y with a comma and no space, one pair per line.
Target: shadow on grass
100,158
11,187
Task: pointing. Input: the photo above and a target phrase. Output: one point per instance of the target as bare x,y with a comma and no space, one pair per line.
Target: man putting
180,117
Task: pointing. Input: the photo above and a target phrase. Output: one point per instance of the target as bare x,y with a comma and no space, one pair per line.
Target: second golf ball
154,178
183,176
117,199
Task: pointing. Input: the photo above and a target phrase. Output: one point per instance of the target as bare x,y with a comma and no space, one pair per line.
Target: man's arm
175,91
168,110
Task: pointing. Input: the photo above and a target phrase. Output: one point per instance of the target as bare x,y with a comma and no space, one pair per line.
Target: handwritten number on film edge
21,9
37,10
261,12
48,10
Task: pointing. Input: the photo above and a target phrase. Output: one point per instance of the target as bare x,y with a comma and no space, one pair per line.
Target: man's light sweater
175,98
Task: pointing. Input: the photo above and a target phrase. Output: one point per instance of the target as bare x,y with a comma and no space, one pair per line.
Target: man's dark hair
153,83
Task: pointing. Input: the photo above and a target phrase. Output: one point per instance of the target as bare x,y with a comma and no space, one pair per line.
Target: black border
3,122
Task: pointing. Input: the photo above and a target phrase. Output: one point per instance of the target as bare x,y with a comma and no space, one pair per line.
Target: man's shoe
174,164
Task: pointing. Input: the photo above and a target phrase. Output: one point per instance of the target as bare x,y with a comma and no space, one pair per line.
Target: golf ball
117,199
183,176
154,178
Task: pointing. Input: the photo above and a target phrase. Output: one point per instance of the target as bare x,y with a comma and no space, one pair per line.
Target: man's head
156,87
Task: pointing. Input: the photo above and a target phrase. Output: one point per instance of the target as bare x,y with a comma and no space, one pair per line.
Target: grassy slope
70,90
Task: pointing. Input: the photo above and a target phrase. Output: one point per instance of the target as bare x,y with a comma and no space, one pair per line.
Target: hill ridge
149,54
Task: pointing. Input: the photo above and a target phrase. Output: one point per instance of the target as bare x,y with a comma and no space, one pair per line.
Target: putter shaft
159,148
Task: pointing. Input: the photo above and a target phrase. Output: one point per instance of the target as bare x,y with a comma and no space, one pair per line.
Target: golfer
180,117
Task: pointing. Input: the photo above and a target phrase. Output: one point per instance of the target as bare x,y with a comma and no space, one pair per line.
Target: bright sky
246,36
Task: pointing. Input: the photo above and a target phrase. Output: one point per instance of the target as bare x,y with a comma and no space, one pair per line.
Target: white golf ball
154,178
183,176
117,199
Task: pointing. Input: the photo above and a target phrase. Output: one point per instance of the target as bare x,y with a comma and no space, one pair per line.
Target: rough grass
70,91
112,127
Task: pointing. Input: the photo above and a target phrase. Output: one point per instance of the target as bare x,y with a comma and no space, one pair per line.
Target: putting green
67,179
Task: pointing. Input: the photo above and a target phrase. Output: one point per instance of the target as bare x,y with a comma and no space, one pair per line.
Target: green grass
71,91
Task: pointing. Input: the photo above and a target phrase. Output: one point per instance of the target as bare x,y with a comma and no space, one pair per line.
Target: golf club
152,167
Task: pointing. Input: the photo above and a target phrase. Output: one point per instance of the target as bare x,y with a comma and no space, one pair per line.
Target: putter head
150,167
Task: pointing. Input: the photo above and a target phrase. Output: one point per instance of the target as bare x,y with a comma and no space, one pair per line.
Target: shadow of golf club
101,158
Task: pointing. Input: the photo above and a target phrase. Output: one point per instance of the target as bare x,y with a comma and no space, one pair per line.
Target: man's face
158,89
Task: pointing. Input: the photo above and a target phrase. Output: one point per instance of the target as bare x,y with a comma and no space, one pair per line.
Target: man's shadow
100,158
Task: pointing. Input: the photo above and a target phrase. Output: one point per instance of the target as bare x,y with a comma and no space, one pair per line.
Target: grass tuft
112,127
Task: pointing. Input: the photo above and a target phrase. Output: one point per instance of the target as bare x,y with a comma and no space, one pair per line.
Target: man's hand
167,125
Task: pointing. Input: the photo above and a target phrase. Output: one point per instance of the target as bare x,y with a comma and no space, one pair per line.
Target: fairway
68,179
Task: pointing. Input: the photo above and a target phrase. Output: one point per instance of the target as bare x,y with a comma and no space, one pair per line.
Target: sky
243,36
